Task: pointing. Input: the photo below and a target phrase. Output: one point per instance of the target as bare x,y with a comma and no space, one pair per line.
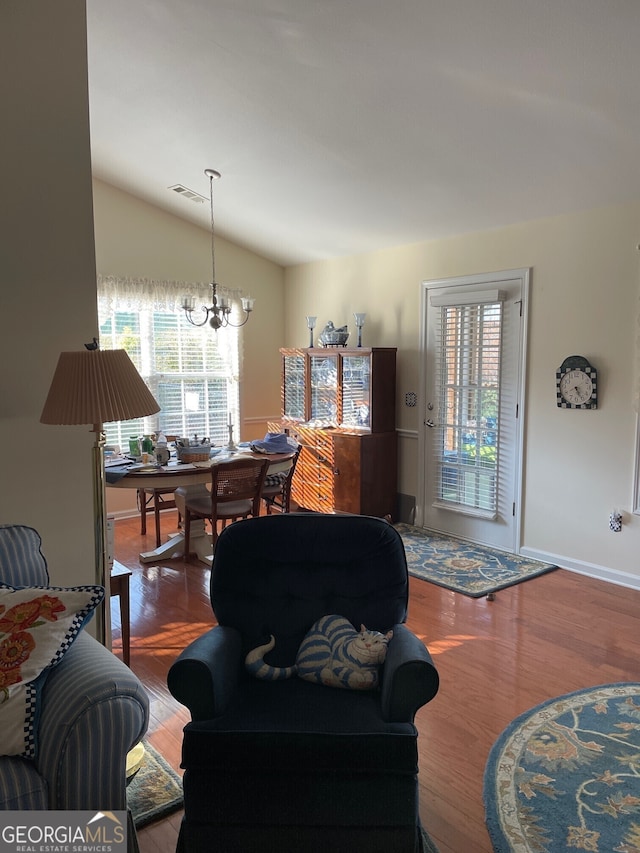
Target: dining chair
155,501
277,494
236,492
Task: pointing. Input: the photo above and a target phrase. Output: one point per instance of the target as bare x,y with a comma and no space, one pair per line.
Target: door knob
429,423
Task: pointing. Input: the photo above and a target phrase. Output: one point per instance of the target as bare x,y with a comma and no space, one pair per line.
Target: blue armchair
93,711
292,765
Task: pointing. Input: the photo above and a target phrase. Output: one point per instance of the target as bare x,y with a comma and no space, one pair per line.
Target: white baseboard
124,513
589,569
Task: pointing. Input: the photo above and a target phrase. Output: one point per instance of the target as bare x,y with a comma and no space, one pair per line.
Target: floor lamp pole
102,573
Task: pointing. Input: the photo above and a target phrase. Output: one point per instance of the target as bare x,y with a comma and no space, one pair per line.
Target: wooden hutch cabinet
339,404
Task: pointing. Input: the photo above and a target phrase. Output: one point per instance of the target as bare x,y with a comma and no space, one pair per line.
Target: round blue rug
565,776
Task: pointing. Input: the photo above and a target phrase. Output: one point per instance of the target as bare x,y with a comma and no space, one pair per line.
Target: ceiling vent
187,193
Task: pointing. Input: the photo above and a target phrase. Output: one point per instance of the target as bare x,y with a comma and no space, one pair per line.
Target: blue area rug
473,570
565,776
155,791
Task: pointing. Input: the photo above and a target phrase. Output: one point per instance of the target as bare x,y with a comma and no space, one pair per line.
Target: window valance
136,294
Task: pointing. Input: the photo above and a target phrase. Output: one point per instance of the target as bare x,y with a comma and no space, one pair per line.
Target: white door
473,346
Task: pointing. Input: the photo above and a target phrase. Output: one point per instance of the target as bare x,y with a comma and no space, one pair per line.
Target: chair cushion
228,509
275,481
37,627
286,725
296,753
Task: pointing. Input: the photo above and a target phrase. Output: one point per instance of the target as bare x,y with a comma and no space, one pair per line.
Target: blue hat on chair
275,442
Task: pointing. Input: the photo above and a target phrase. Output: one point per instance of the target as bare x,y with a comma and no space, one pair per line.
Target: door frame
479,281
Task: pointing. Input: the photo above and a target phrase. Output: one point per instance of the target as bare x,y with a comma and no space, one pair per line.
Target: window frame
151,308
457,390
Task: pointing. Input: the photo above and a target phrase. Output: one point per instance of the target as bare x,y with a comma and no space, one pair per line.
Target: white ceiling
343,126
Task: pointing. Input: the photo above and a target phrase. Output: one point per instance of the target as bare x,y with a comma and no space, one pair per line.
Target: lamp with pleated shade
94,386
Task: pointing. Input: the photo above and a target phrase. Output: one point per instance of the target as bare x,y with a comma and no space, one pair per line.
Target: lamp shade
95,387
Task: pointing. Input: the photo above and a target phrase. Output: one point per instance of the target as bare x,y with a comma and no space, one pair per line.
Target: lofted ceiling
344,126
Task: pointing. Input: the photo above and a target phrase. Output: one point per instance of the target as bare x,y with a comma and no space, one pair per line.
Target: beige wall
47,272
136,239
583,300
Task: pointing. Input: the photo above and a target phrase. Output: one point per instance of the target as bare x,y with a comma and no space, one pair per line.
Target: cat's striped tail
255,664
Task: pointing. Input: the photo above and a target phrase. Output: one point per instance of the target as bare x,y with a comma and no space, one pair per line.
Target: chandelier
218,314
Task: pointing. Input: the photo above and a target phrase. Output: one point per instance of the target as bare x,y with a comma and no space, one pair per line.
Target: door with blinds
473,351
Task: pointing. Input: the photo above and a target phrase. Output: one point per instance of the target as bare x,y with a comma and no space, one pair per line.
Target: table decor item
231,446
162,454
331,336
311,324
193,450
194,453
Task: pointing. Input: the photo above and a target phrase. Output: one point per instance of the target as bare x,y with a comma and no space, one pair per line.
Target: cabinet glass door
324,387
356,391
293,387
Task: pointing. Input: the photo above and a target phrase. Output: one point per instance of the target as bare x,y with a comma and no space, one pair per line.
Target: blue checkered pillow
38,625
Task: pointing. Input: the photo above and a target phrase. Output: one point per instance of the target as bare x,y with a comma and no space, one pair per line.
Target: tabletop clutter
152,448
194,452
149,449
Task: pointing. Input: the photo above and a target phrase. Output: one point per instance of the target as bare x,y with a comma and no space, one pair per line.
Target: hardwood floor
550,635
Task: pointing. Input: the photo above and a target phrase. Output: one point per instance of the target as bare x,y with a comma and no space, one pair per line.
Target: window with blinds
183,368
468,391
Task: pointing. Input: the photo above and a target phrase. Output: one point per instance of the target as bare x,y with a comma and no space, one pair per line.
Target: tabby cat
332,653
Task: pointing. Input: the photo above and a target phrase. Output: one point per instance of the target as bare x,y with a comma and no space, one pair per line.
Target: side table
120,586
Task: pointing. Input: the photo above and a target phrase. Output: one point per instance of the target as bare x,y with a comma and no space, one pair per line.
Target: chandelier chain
212,176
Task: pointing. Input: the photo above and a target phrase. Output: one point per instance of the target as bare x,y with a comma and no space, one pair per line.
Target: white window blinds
191,371
469,331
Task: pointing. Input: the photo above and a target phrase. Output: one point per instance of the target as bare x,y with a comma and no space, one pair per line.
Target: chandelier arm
189,316
237,325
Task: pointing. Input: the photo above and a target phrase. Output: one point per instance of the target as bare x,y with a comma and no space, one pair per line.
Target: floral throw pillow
37,627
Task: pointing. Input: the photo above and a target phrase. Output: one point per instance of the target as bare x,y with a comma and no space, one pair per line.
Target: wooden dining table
188,479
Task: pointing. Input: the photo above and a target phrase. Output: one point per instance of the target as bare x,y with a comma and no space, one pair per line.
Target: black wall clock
576,384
